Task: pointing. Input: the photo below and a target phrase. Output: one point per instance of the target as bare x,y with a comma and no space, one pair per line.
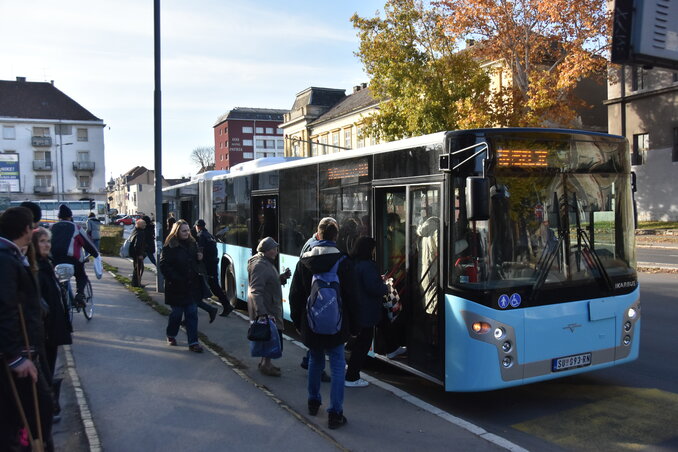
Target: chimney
356,89
21,79
363,85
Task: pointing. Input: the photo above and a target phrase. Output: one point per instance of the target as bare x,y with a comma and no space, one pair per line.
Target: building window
641,144
83,135
83,181
247,155
83,156
348,139
281,144
279,131
359,137
335,141
638,78
8,133
260,130
43,181
40,131
43,156
247,142
269,130
63,129
260,143
674,154
322,149
246,130
314,147
269,144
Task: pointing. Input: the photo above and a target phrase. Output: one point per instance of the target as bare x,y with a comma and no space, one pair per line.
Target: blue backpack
323,306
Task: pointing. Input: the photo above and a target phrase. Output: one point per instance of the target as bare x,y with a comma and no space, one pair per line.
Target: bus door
407,230
264,219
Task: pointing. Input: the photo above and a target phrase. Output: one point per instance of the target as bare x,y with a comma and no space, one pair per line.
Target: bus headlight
632,313
480,327
499,333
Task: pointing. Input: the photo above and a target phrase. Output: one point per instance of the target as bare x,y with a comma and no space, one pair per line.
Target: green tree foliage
424,83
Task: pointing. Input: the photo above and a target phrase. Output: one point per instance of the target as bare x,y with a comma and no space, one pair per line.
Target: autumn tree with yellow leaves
540,49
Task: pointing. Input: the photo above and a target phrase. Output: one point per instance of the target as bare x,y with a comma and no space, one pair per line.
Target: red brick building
245,134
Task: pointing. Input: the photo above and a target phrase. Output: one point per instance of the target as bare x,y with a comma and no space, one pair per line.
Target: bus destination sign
522,157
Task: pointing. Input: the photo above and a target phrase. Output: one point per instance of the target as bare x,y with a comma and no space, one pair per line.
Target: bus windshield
560,214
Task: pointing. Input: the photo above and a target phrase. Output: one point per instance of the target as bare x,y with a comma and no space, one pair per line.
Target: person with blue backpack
323,310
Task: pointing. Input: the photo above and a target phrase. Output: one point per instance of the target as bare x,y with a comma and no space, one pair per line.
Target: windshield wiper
593,260
544,265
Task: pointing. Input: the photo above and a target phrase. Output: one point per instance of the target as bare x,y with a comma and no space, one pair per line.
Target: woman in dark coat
57,325
370,291
137,251
183,285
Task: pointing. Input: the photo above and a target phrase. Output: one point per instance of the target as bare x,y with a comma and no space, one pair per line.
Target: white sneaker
398,351
359,383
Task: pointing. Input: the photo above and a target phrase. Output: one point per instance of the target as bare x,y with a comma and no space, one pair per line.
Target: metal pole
61,157
157,97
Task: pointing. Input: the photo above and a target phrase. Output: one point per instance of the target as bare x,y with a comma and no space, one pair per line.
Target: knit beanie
65,212
267,244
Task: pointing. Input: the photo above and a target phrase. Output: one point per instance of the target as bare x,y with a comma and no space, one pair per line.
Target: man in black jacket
208,244
320,259
19,299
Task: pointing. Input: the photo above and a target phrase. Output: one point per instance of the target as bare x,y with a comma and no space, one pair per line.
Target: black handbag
259,331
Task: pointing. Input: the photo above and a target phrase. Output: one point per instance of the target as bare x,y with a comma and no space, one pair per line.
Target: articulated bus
512,250
80,209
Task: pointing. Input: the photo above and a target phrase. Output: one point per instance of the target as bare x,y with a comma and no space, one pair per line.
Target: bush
111,240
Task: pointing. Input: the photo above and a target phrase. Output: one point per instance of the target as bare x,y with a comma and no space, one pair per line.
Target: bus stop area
126,389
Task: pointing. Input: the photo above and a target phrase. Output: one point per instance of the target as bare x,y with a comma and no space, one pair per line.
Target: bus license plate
571,362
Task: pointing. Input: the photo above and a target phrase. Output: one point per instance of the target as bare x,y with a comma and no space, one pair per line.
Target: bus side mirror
477,198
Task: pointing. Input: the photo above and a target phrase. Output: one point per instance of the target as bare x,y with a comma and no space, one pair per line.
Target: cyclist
68,241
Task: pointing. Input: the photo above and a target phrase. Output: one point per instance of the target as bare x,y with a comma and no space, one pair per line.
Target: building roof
360,99
325,97
39,100
259,114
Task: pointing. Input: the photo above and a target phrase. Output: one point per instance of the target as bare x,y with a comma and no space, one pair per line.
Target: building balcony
41,141
42,165
43,189
83,166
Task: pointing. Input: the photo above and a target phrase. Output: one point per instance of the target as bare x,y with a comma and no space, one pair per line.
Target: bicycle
64,273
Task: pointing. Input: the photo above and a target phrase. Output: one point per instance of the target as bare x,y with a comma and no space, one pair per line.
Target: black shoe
335,420
324,377
304,362
228,308
313,406
79,300
213,314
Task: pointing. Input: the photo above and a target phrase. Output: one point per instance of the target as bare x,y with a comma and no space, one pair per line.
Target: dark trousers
10,421
213,282
359,350
138,271
79,269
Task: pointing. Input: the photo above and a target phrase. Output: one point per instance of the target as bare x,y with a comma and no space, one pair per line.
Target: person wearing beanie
264,295
70,245
35,210
208,244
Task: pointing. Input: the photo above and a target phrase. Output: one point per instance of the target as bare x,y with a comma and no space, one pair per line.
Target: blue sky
217,55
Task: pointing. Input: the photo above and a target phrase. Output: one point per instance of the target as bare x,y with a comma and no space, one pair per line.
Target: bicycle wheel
88,308
68,301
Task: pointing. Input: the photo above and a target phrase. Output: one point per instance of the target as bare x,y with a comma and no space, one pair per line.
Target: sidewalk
145,395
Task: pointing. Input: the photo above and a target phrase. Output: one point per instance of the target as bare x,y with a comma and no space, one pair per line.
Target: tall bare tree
203,157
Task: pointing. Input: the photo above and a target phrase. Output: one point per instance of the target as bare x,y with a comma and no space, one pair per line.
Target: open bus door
408,230
264,219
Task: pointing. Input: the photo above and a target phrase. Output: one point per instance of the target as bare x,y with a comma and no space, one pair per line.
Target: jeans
190,313
316,365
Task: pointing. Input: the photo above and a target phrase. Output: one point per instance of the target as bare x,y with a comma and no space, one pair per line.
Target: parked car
127,219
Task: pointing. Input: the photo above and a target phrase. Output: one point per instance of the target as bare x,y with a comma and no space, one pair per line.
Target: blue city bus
511,250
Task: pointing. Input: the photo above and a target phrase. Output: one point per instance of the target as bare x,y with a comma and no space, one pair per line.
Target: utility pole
157,97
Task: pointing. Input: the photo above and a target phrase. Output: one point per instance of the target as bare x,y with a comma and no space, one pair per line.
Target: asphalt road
659,255
629,407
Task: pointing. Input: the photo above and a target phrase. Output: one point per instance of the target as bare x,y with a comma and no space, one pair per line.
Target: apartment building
51,147
642,105
245,134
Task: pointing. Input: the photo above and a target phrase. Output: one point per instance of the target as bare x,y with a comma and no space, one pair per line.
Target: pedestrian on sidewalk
21,321
323,257
93,228
137,251
264,295
370,291
183,284
58,327
150,239
208,243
